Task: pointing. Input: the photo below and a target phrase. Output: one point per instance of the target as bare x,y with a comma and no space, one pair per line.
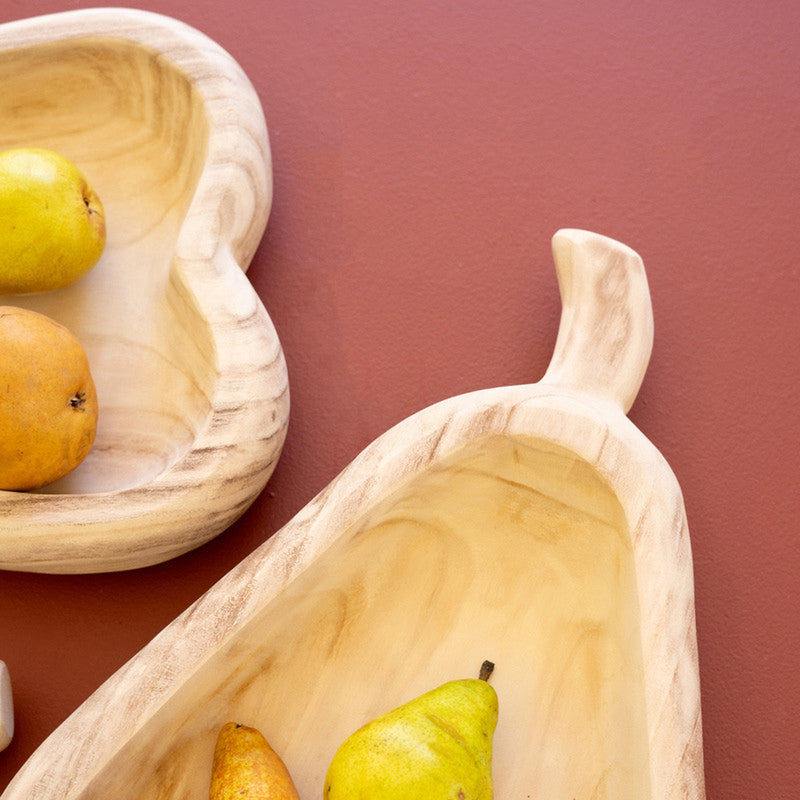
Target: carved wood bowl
190,374
534,526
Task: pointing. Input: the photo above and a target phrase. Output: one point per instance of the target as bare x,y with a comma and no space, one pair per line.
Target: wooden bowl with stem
534,526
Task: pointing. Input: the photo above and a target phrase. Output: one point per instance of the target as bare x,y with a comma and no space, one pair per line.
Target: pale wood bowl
190,374
534,526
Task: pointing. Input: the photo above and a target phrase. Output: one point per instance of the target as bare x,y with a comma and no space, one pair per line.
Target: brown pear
245,767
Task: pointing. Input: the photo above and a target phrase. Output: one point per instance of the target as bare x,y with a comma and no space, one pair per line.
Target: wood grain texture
190,373
531,525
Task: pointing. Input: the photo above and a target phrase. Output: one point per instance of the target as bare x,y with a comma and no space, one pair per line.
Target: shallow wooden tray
190,374
534,526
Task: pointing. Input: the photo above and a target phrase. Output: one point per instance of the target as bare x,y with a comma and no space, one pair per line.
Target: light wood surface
531,525
6,708
190,374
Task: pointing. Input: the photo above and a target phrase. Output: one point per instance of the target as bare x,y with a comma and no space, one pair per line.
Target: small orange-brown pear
245,767
48,400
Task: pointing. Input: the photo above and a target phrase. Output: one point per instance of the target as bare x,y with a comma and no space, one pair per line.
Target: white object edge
6,708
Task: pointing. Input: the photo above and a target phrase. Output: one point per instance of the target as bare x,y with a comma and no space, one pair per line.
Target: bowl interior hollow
135,126
512,549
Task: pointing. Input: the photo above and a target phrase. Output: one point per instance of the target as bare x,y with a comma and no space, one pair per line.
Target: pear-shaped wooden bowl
533,526
190,374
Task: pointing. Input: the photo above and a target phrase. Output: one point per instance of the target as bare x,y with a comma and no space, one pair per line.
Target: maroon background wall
425,152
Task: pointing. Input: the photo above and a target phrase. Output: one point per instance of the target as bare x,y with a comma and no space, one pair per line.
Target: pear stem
486,670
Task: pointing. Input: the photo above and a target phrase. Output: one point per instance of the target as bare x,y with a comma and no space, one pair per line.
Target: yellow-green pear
437,746
52,223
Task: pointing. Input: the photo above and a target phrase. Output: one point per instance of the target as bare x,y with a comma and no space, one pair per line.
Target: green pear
52,224
437,746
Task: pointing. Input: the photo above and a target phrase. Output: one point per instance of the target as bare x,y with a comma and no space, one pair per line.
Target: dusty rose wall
424,154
